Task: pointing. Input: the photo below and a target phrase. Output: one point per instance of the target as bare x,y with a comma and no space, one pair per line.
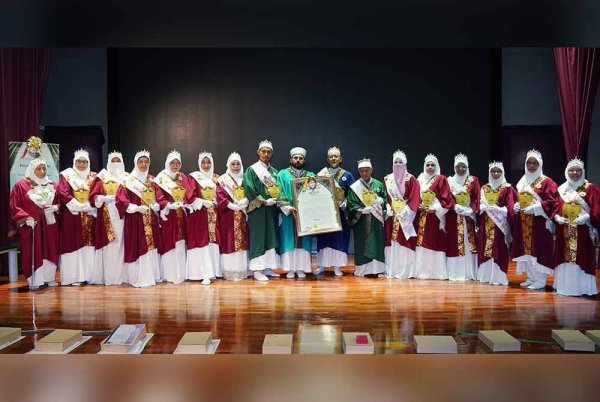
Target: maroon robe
491,242
76,231
429,234
530,236
232,225
393,230
582,251
453,236
46,236
202,225
140,231
174,228
103,233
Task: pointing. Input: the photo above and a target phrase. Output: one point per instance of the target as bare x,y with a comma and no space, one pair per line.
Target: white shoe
76,284
383,276
319,271
270,272
301,274
259,276
33,287
290,275
526,283
206,281
537,286
52,284
338,271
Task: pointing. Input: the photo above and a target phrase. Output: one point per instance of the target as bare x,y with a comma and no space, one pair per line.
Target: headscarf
531,177
205,176
574,185
81,154
30,172
425,178
399,169
115,169
234,156
138,174
494,184
458,179
173,155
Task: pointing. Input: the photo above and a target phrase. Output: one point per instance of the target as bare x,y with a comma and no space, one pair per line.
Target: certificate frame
304,225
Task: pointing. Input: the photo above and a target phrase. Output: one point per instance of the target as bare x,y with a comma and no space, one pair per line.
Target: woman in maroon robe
403,198
136,202
496,212
574,254
436,200
33,207
533,226
232,204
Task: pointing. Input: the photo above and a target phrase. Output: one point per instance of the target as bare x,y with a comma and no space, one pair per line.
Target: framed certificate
316,206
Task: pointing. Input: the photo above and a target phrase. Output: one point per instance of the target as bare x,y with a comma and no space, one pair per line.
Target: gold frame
298,185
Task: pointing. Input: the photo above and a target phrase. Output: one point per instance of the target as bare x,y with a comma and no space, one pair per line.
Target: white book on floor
280,344
194,343
124,338
357,343
317,341
59,340
435,344
499,341
9,334
594,335
573,340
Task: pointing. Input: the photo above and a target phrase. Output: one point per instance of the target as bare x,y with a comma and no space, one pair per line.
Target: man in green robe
262,214
294,250
366,215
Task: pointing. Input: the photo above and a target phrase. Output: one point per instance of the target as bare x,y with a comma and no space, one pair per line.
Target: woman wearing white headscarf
203,226
232,204
497,200
436,200
402,205
461,247
533,227
33,207
170,195
108,266
574,256
136,202
77,250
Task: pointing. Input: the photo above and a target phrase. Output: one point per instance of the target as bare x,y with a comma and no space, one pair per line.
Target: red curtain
577,72
23,76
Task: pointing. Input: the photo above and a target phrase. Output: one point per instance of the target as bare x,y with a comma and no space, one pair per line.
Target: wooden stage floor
241,313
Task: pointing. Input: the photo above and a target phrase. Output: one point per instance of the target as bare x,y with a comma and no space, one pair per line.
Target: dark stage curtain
71,139
577,72
23,76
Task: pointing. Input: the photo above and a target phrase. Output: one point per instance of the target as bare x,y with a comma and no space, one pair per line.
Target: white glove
270,202
155,207
243,203
517,208
388,210
366,210
378,200
530,210
483,208
467,211
582,219
502,210
196,205
233,206
174,205
74,206
30,222
87,208
560,220
343,205
132,209
206,203
50,209
286,209
459,209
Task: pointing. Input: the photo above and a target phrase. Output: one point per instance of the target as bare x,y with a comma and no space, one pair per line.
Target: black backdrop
369,102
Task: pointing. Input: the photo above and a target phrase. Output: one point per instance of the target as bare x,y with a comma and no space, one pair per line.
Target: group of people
116,227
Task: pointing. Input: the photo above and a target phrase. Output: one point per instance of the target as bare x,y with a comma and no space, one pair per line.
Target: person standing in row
232,204
170,195
33,207
496,205
109,225
404,196
262,191
333,247
366,216
136,202
294,250
203,235
77,249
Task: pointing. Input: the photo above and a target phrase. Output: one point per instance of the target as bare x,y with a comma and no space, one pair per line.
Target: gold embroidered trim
212,224
461,235
490,235
180,216
570,234
395,229
527,229
238,236
110,234
421,231
147,218
87,224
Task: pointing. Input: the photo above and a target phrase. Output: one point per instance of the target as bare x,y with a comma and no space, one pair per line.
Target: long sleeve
549,195
475,195
223,199
17,195
64,191
413,194
443,193
353,205
96,189
122,201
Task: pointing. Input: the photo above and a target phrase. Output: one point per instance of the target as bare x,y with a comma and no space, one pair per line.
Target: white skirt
109,266
463,268
77,266
399,261
528,264
430,264
490,272
173,263
142,272
234,266
270,259
296,260
370,268
330,257
571,280
44,274
203,263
